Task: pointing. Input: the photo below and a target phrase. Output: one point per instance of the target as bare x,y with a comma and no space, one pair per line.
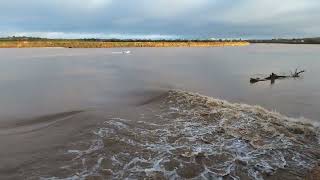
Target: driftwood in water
273,77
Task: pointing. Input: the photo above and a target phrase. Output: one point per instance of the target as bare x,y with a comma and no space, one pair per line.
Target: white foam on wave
199,137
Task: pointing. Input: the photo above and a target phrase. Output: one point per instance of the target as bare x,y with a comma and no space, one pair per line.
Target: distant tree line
280,40
25,38
22,38
289,41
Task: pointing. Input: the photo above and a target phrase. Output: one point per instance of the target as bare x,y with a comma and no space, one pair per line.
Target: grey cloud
179,18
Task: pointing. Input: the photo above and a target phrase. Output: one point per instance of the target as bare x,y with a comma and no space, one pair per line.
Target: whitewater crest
198,137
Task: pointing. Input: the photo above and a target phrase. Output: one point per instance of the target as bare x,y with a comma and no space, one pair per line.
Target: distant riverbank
288,41
121,44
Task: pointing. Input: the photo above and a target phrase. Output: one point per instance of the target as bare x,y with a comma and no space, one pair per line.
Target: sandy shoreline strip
122,44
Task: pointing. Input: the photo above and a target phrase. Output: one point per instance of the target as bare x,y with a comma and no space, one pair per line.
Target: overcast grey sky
160,18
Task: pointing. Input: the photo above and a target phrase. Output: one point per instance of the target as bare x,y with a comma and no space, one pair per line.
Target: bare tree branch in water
272,77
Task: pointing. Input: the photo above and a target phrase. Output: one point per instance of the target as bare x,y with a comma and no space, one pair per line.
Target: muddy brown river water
101,114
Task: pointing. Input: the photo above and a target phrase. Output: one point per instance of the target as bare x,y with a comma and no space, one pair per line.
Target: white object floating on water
122,52
126,52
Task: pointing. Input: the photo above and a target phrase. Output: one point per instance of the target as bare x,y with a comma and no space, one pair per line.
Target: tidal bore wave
187,135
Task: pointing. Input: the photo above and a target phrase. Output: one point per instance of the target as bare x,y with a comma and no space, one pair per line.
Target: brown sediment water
186,135
81,114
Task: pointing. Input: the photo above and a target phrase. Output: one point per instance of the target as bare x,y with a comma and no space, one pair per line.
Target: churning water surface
79,113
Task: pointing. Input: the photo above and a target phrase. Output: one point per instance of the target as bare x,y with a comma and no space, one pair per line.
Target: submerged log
274,76
254,80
